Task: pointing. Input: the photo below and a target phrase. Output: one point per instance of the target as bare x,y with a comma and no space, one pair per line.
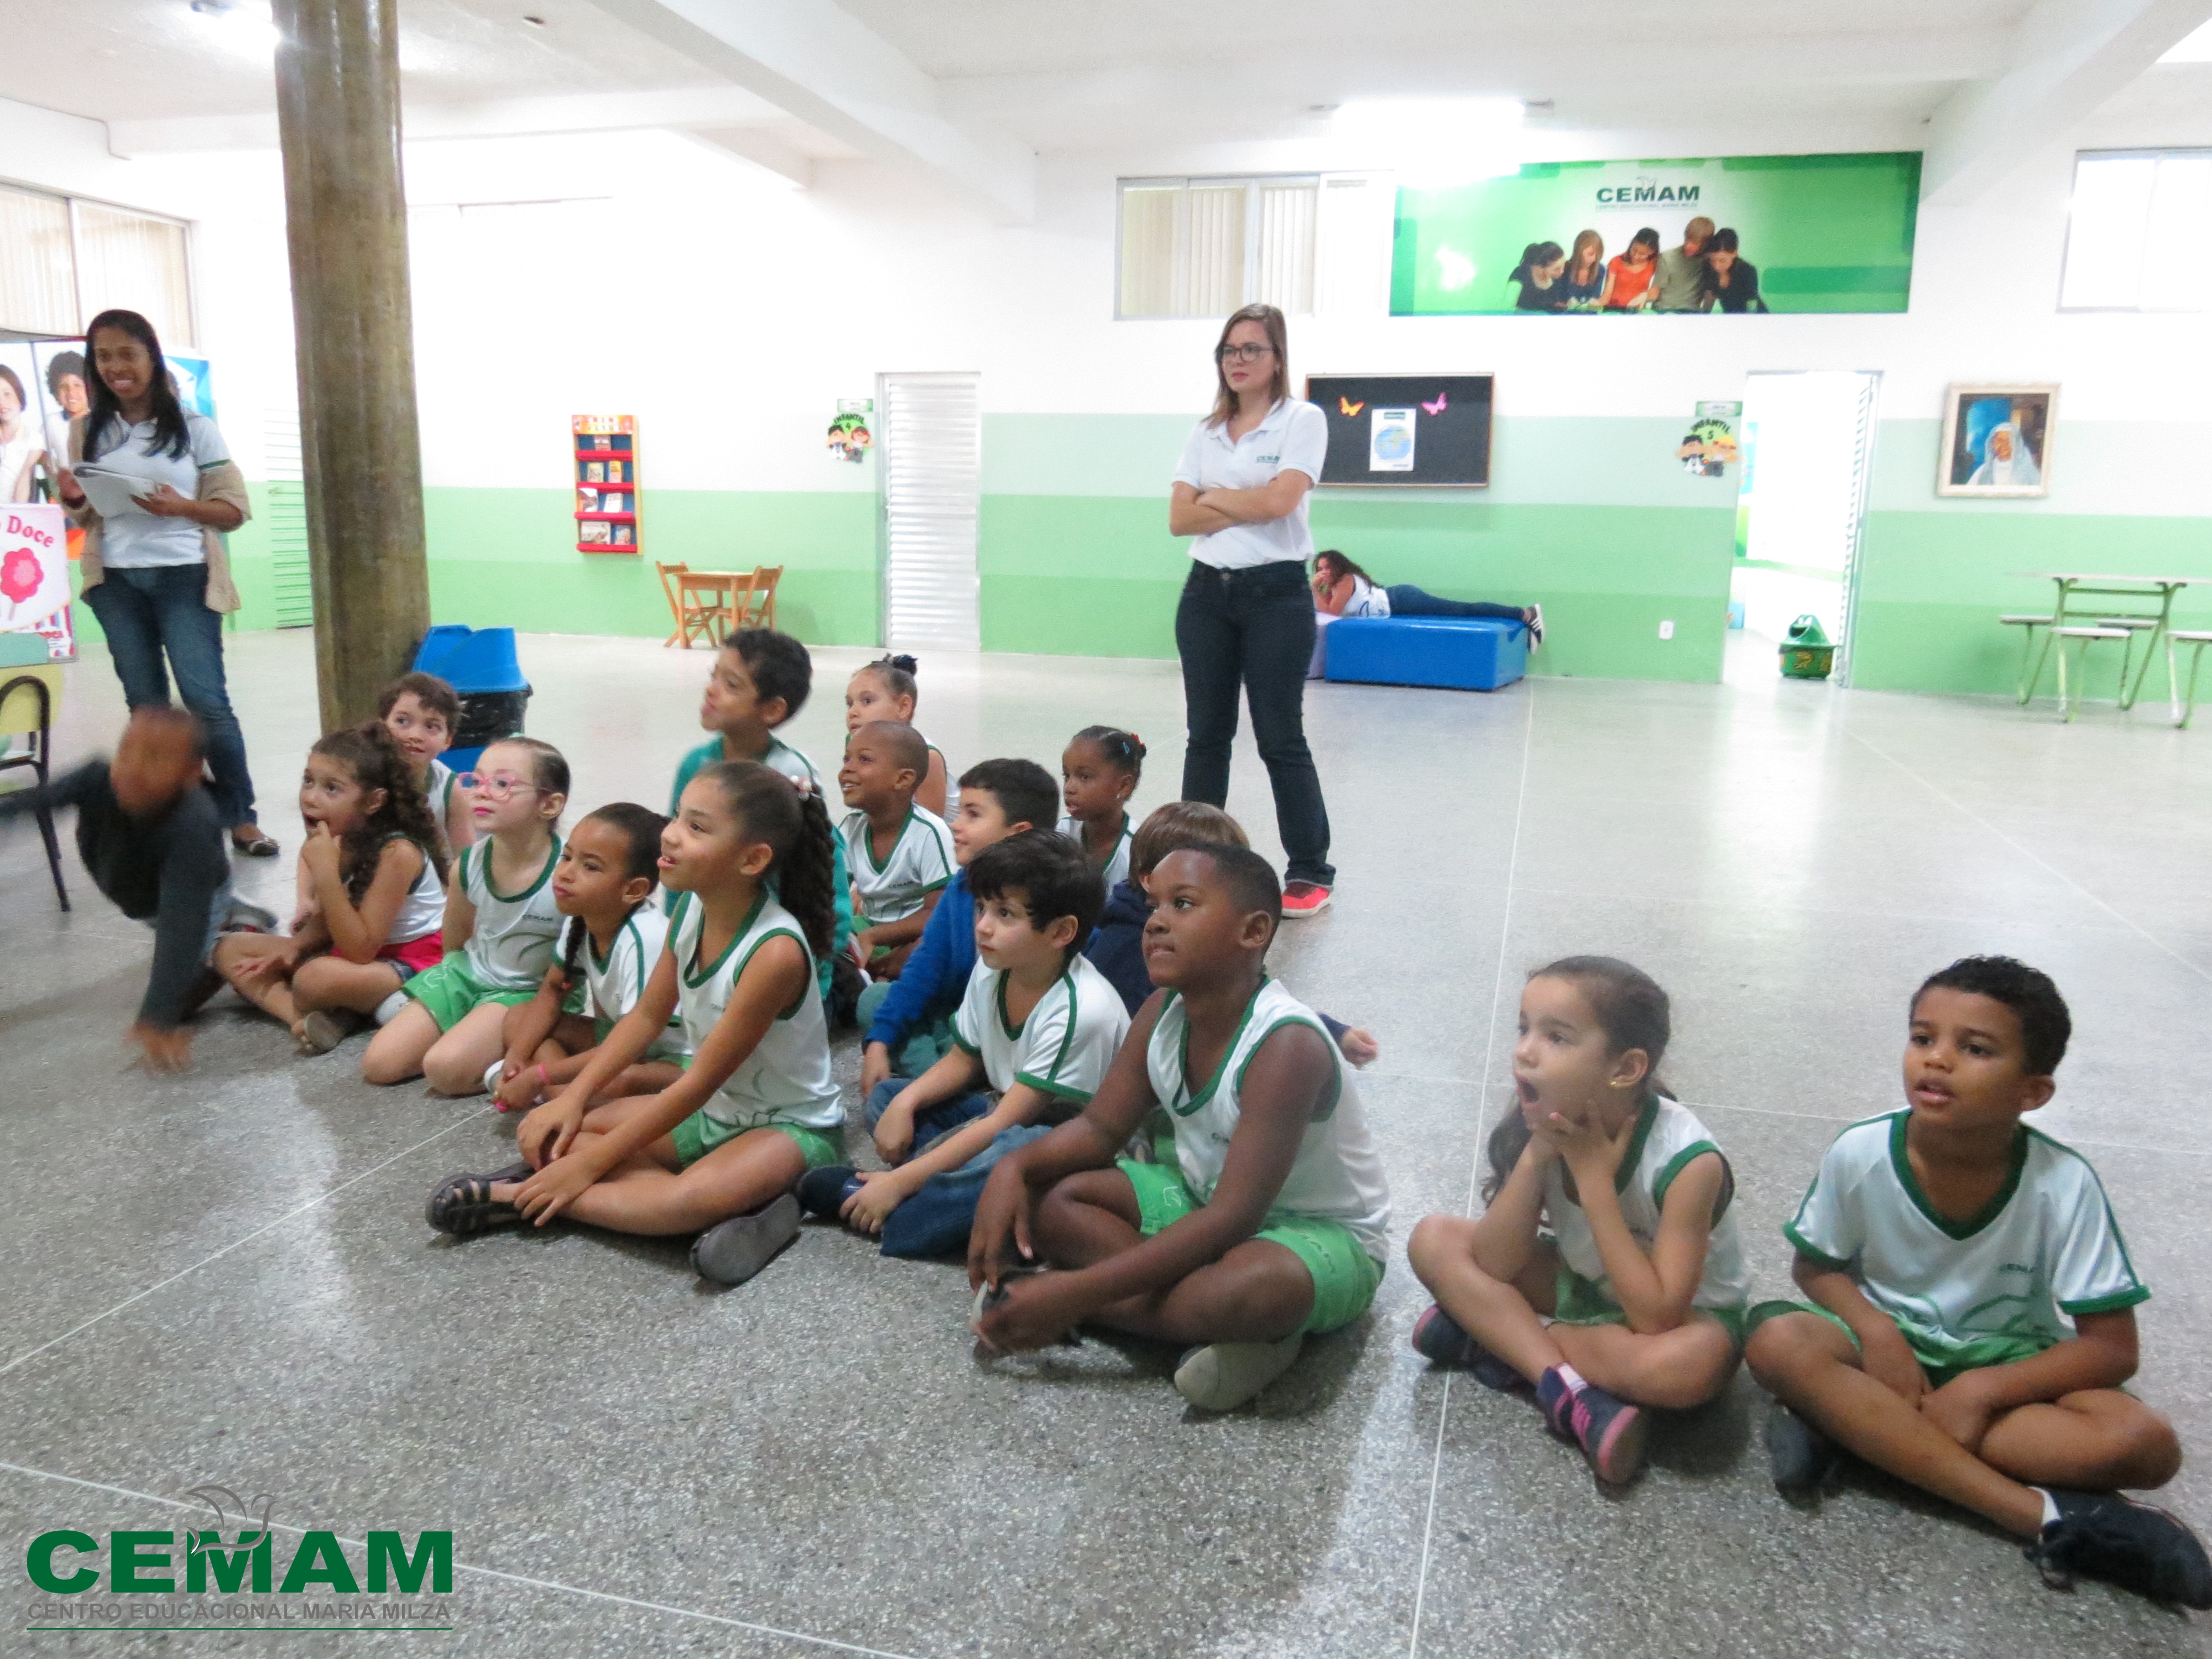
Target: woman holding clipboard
1245,617
155,571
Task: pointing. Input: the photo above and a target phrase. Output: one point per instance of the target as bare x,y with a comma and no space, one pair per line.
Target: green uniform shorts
1578,1301
1345,1277
699,1134
452,992
1940,1364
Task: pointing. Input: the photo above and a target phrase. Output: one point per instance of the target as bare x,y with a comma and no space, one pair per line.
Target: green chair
2196,639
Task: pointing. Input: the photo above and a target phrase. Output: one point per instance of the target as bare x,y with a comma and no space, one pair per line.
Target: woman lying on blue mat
1341,588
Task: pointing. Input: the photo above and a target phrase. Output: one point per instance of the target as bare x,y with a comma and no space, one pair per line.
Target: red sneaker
1304,898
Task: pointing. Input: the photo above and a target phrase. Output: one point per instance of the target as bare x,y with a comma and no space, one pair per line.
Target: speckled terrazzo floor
225,1277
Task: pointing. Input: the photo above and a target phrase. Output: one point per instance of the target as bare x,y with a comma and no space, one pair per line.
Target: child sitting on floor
761,679
153,843
1099,770
885,690
603,886
721,1147
901,855
907,1019
1117,946
1972,1314
1273,1221
373,868
1037,1027
500,928
1605,1268
421,712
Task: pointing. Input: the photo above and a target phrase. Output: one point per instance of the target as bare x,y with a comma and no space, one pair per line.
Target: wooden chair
752,599
697,599
28,696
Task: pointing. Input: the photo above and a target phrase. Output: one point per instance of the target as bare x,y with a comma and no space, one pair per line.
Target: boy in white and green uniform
507,952
920,863
1667,1137
784,1084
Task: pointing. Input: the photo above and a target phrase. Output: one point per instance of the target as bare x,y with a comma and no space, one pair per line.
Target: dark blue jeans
938,1219
1254,628
145,613
1408,600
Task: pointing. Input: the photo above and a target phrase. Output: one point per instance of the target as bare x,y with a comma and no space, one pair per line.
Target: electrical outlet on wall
1667,629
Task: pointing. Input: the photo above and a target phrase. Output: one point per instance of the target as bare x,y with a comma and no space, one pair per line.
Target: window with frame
1202,247
64,259
2138,229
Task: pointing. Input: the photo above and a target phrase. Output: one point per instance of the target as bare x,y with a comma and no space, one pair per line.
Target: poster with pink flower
34,563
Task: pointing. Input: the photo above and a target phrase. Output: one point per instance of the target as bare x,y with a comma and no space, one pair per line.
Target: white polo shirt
1293,438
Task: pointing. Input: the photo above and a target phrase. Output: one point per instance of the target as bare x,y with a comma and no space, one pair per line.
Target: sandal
254,841
463,1203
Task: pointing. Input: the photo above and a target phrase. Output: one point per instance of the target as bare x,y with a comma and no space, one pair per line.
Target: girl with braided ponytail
718,1152
884,689
372,872
1099,770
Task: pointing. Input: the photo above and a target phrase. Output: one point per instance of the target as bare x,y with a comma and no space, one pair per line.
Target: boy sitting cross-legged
908,1019
1273,1221
1038,1027
900,854
1973,1305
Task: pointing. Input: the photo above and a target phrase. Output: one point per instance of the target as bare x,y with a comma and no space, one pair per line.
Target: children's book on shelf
606,461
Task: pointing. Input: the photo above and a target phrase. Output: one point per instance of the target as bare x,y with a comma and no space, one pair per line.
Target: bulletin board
1406,430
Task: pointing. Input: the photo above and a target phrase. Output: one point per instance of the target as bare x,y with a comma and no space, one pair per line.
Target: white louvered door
932,466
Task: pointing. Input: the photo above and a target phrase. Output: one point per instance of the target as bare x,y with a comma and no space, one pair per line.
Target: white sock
2050,1505
388,1009
1571,1377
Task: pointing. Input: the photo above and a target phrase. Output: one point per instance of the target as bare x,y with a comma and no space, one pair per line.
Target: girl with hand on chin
159,578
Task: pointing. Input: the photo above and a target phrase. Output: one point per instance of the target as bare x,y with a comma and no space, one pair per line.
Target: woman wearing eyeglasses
1245,617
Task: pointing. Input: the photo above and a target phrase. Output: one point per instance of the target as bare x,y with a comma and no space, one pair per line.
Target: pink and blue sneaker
1610,1431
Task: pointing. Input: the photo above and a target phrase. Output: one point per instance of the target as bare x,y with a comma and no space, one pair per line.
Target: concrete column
337,106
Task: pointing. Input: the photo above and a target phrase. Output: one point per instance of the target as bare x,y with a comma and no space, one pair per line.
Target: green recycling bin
1807,652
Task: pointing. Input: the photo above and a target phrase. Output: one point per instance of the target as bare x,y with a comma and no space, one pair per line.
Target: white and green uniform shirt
438,790
919,864
422,911
1063,1049
1337,1174
1996,1288
779,757
1667,1137
617,980
785,1078
1116,868
513,941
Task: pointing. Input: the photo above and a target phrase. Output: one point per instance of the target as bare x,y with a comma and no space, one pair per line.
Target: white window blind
37,279
2138,231
932,446
1201,247
63,260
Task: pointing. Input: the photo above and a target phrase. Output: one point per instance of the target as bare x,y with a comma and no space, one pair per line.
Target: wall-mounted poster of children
1710,445
849,437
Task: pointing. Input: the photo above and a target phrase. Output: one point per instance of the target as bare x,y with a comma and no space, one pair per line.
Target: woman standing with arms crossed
1246,617
159,579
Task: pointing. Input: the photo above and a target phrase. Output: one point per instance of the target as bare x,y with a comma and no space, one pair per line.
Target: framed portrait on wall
1997,441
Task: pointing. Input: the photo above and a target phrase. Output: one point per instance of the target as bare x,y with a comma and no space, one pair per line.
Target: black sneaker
1801,1459
822,1193
2138,1546
1438,1337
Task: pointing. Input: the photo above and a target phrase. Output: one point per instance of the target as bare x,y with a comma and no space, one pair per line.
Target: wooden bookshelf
606,482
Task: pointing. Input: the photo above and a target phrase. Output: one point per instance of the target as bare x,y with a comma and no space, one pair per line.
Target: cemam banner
1716,235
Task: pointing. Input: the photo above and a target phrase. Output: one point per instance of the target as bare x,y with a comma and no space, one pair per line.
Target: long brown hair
1271,319
370,753
1591,240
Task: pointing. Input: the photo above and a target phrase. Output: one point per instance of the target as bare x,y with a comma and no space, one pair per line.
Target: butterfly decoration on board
1347,408
1437,407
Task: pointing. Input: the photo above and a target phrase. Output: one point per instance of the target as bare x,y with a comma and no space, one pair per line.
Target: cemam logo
66,1562
1642,191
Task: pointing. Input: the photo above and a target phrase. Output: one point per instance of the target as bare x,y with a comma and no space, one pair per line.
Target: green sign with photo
1711,235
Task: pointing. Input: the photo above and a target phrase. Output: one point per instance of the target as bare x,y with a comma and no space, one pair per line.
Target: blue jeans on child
1408,600
937,1219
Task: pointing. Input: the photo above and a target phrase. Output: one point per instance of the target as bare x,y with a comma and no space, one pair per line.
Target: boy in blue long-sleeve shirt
997,797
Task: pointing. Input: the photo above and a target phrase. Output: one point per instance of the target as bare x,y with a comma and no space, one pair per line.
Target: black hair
1343,564
549,769
64,363
2046,1026
897,674
642,826
1124,751
374,759
1535,257
1649,237
1723,240
1249,879
905,744
796,827
1053,876
170,432
432,693
778,663
1631,1010
1024,790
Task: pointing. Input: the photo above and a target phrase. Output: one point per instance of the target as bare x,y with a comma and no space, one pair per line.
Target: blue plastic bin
480,664
1464,654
